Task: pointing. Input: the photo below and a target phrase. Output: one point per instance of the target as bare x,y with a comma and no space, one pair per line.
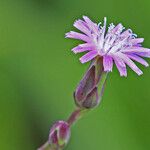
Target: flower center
114,40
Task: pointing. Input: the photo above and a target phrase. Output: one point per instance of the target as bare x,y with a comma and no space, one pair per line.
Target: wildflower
116,45
104,48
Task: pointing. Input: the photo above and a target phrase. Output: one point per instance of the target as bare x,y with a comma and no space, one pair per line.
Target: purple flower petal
81,25
126,33
143,54
83,47
91,24
121,66
118,29
107,63
89,56
138,59
130,63
135,50
137,41
76,35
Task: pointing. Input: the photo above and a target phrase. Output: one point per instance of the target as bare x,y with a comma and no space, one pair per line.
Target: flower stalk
76,115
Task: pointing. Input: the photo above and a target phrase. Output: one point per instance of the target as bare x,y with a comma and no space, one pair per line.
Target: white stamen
99,25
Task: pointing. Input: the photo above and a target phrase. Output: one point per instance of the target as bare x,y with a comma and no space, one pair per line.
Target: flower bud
92,99
86,84
87,92
59,135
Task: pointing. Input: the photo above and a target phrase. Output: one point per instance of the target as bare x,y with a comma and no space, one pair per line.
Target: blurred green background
38,74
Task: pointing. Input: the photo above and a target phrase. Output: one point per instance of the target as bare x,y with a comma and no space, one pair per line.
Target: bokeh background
38,74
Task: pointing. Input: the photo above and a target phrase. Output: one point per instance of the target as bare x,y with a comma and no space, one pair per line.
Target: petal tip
82,60
67,35
147,65
84,16
74,50
140,73
123,75
107,70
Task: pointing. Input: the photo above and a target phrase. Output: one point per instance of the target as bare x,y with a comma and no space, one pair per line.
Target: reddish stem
76,115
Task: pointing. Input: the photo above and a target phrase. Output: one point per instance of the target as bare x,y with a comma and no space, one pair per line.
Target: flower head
116,45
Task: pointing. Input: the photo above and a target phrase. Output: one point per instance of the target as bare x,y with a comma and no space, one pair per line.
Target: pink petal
135,50
83,47
126,33
130,63
118,29
93,26
143,54
138,59
76,35
81,25
107,63
137,41
121,66
89,56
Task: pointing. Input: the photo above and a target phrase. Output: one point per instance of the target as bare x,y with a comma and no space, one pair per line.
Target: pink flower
115,45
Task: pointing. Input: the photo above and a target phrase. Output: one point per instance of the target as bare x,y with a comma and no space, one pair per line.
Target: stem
76,115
